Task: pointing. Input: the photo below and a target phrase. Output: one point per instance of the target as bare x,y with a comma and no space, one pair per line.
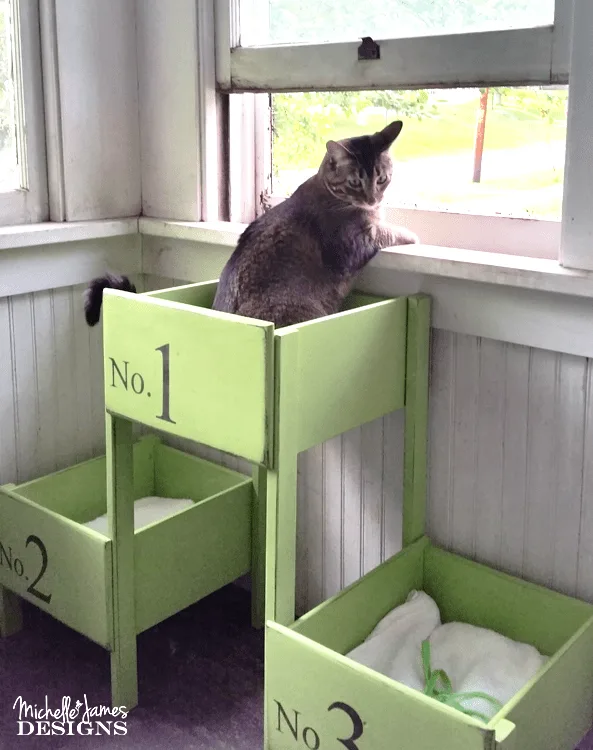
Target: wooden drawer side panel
190,372
311,690
56,565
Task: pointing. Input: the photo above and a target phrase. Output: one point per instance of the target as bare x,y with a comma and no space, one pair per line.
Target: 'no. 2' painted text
13,563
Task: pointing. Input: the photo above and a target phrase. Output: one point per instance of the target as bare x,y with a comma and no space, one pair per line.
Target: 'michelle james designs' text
69,719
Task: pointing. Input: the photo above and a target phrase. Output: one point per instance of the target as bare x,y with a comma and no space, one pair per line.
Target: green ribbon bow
438,686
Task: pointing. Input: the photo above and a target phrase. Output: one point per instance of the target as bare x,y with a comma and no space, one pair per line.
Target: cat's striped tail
93,295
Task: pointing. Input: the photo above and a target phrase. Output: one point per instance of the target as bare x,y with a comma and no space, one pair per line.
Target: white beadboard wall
51,389
511,459
51,371
511,462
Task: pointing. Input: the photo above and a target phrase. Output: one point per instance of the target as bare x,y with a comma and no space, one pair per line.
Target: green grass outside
453,131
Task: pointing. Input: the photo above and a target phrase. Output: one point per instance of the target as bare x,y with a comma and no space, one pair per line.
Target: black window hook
369,49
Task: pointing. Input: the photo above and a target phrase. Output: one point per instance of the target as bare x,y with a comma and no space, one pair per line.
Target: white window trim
58,233
562,41
577,215
532,238
30,204
517,57
208,115
56,185
250,155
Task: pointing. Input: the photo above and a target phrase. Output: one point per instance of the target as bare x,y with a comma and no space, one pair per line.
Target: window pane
340,20
10,173
437,156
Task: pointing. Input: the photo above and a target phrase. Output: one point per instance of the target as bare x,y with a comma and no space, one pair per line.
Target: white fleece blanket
475,659
147,510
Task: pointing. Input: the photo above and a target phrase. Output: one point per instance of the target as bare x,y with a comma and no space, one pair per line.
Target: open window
482,87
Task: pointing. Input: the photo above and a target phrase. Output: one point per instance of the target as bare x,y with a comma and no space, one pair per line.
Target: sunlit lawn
453,131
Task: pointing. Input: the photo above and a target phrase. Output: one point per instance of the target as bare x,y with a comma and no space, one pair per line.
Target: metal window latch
265,200
369,49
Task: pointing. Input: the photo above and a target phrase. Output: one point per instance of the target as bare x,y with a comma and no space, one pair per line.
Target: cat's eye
354,182
382,179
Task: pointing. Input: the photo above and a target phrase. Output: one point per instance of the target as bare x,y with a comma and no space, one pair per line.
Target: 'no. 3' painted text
309,737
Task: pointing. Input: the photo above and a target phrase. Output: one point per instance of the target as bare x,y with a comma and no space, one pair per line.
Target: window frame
491,58
257,69
29,204
514,57
576,246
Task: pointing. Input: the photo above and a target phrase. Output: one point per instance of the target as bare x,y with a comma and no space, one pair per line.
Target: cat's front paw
403,236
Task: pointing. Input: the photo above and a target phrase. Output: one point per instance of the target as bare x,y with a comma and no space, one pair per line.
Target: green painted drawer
176,365
318,698
49,558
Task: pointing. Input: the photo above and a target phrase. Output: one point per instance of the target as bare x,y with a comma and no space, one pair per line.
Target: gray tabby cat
299,260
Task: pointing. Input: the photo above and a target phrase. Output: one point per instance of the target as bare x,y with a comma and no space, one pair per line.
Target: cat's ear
384,138
338,153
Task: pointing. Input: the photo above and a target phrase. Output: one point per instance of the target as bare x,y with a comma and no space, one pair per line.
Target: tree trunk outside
480,132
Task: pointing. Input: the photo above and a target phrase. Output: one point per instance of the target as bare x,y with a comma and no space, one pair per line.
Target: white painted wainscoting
51,373
511,458
51,389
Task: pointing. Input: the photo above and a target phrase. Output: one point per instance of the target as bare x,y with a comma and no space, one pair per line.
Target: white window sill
470,265
51,233
223,233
